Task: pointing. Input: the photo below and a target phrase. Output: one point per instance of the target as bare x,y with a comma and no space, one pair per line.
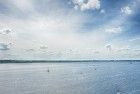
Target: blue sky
69,29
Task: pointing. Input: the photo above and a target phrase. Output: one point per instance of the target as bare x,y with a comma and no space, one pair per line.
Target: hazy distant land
62,61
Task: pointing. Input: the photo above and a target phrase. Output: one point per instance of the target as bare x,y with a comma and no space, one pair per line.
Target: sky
70,29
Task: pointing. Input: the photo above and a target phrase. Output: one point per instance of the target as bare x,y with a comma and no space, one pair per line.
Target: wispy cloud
134,39
54,30
113,30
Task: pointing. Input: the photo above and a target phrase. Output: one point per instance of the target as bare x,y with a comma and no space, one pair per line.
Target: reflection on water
70,78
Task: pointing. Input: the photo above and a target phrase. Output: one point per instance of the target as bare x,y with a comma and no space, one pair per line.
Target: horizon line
35,61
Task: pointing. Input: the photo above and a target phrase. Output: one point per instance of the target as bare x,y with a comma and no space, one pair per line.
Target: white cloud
102,11
126,10
5,31
87,4
59,36
109,47
113,29
23,4
134,39
76,7
114,26
4,46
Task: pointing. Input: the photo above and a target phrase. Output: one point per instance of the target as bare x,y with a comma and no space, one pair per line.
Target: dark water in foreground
70,78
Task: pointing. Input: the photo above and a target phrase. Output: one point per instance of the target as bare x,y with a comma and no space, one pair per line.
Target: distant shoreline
62,61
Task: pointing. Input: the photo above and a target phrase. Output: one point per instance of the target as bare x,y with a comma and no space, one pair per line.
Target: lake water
70,78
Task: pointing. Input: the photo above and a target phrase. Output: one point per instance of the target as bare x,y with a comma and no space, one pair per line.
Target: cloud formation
113,29
126,10
52,29
4,47
86,4
109,47
5,31
102,11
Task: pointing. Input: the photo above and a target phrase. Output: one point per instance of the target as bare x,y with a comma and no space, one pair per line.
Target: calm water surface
70,78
